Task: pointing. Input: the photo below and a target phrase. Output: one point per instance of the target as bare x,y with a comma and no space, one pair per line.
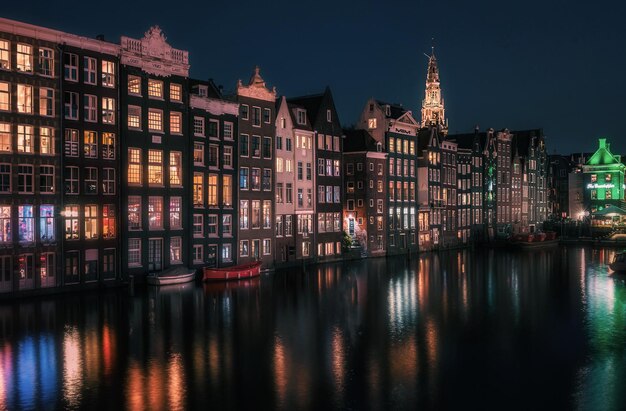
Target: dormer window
379,147
203,91
371,107
301,116
371,123
329,116
387,110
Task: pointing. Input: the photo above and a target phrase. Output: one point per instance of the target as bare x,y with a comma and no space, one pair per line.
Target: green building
603,179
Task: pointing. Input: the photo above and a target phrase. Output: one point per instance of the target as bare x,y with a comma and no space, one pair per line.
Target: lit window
267,246
227,190
46,223
155,120
134,213
212,189
89,70
244,222
90,144
176,168
91,222
155,167
5,55
90,177
25,138
267,214
108,73
5,224
24,61
176,250
176,120
108,146
175,213
71,105
46,101
176,91
71,180
244,250
134,85
26,222
198,190
25,99
244,178
155,213
108,110
134,166
5,96
108,221
227,252
108,181
71,222
155,88
134,117
70,64
46,179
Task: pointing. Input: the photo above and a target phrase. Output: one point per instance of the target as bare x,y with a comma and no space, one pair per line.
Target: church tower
433,110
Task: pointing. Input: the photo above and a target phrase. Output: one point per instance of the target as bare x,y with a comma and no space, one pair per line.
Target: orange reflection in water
108,349
176,383
155,385
5,374
280,370
134,387
338,360
72,367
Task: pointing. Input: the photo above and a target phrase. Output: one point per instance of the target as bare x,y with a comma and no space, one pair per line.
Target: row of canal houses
115,163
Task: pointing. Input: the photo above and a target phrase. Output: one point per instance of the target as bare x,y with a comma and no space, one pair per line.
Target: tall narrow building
433,109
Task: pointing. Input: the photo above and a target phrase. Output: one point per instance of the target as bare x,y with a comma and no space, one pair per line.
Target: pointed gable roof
603,156
358,140
316,105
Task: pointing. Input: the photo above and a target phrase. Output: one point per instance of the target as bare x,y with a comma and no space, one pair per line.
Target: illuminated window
244,180
108,221
134,117
198,154
244,250
134,166
212,225
71,143
134,213
108,110
134,252
594,194
244,222
90,144
5,96
90,104
5,224
198,190
71,180
155,213
70,64
155,120
46,101
267,246
90,178
5,178
108,181
176,120
212,189
176,245
89,70
134,85
25,138
91,222
255,179
71,222
71,105
608,194
155,167
46,179
26,223
25,99
5,55
155,88
108,146
176,168
175,213
267,214
24,61
594,178
227,252
256,214
108,73
608,177
198,126
176,92
227,190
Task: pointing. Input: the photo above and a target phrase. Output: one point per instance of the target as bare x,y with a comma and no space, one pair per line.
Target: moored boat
619,262
237,272
178,275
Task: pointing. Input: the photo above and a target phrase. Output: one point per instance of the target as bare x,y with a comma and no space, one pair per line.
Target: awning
610,211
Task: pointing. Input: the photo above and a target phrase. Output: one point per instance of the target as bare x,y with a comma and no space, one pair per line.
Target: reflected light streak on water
72,367
176,383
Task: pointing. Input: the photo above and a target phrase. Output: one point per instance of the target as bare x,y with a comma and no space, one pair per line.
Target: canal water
486,330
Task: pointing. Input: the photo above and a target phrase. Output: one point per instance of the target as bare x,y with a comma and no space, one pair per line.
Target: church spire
433,109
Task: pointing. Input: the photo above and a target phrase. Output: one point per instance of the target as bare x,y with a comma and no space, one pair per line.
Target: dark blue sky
560,65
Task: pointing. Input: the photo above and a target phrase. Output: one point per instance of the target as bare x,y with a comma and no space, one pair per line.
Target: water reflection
439,331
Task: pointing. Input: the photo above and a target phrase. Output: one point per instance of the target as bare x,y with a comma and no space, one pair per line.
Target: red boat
237,272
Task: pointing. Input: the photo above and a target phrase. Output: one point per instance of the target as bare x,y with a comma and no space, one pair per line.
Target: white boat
178,275
619,262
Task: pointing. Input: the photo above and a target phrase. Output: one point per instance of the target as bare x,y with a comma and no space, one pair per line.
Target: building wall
284,187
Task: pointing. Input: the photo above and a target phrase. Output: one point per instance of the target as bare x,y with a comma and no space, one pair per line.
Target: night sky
559,65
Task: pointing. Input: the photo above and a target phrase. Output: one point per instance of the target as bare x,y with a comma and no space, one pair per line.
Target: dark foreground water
505,330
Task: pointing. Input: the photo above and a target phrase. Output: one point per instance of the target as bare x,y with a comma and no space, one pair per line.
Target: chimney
602,142
100,37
